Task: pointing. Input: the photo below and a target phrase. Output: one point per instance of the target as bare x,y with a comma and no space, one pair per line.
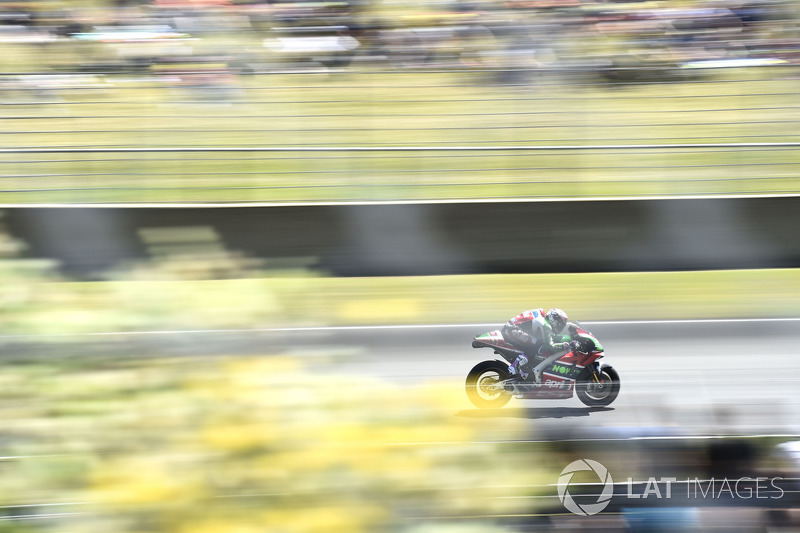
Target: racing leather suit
531,333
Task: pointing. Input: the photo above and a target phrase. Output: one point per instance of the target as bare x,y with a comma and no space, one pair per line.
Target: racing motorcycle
490,384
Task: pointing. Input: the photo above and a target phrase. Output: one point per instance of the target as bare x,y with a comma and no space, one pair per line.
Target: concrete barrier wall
424,239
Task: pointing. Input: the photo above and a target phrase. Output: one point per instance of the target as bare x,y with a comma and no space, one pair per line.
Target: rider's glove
575,346
519,335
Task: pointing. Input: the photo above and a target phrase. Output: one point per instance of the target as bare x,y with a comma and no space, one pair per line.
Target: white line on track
38,516
385,327
605,439
223,205
498,325
16,457
690,321
60,504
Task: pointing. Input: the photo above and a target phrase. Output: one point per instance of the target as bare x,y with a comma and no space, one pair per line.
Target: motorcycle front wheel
599,393
482,389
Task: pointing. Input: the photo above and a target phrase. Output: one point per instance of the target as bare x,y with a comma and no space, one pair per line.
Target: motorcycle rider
533,332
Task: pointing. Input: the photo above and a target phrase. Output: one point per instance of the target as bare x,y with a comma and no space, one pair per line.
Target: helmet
557,319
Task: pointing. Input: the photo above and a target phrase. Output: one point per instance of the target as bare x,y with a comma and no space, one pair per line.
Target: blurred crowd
216,38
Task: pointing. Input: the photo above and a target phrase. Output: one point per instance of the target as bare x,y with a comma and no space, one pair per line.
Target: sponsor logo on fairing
561,369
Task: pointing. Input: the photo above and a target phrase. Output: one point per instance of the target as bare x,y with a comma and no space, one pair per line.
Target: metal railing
398,136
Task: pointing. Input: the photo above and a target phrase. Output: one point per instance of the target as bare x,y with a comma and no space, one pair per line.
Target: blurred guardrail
323,136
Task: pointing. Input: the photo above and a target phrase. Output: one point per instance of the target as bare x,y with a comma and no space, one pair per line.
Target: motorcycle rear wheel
480,385
599,394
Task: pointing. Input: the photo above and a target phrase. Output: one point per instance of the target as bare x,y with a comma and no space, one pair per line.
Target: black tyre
481,381
600,394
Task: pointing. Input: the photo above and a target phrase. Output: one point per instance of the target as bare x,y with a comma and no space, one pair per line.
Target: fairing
494,339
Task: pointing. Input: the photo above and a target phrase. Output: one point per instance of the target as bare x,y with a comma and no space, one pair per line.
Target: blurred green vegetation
34,300
399,109
241,444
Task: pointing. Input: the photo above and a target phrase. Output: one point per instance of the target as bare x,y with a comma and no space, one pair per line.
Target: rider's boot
516,370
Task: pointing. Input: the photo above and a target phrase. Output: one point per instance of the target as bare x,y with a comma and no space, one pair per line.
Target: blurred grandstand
571,34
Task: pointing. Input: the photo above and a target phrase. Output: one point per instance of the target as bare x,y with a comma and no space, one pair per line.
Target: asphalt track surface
678,377
696,378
